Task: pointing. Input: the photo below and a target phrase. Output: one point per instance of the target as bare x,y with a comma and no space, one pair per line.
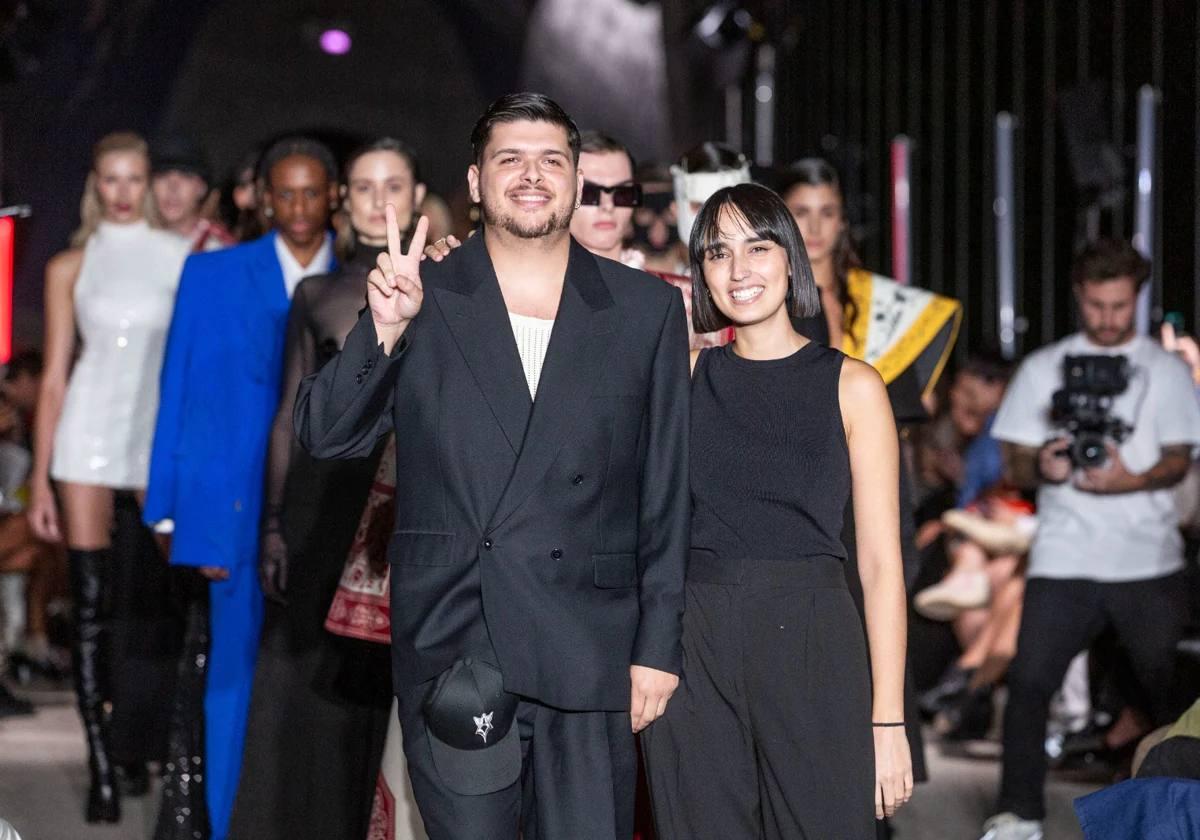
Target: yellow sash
895,326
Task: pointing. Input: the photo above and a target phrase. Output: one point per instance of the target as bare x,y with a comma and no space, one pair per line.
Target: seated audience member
27,564
1158,808
985,539
986,520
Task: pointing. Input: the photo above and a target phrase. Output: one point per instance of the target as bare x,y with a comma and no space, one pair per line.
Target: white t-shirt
293,272
1121,537
533,339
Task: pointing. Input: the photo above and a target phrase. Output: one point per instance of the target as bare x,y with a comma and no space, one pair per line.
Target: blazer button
487,545
577,480
556,554
358,378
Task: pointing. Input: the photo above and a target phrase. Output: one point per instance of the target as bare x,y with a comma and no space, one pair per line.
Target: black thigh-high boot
89,572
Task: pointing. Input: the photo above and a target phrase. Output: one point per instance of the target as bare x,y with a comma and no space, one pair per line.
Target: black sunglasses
624,195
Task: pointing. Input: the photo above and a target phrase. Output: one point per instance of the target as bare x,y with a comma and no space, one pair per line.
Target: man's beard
1112,338
555,223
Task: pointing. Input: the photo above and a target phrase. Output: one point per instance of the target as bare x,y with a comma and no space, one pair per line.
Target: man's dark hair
25,363
597,143
1106,259
523,107
766,216
989,366
303,146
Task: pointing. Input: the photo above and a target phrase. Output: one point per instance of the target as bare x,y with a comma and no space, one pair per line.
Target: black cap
470,720
178,154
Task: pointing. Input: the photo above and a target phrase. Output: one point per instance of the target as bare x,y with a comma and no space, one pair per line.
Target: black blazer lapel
474,310
584,329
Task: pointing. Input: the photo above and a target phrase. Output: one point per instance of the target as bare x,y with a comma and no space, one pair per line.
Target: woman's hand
893,770
273,567
43,512
439,250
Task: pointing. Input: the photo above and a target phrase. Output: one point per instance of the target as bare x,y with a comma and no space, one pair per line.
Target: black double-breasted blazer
547,536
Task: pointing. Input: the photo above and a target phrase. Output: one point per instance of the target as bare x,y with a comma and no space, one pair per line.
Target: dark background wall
854,73
851,75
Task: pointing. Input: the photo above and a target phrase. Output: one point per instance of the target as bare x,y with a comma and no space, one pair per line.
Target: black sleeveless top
770,469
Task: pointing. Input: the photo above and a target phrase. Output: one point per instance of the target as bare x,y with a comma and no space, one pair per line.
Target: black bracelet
888,724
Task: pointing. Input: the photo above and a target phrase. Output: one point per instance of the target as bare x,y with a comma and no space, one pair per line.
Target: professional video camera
1083,406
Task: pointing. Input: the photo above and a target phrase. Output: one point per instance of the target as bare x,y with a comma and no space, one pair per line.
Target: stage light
335,42
6,288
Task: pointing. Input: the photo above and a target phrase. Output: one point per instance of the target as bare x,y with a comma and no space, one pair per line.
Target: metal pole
901,156
1004,207
733,116
764,107
1143,222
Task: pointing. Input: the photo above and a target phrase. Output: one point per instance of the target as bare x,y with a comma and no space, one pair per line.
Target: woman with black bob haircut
780,728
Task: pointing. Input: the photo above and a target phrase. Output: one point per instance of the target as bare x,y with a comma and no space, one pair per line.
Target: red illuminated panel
6,288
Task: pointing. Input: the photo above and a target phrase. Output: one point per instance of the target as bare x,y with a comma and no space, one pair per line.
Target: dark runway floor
43,781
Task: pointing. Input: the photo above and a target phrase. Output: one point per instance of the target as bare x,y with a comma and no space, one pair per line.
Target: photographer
1103,440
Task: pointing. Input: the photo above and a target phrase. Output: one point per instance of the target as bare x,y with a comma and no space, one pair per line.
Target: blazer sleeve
664,519
345,408
172,394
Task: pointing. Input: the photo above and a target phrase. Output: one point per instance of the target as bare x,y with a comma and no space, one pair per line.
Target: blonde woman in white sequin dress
114,288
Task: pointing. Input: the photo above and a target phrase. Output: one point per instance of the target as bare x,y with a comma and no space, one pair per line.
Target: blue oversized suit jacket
219,393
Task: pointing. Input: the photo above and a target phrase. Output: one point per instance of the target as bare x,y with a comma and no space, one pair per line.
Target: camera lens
1088,451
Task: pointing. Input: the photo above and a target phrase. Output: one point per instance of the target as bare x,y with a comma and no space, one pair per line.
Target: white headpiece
699,187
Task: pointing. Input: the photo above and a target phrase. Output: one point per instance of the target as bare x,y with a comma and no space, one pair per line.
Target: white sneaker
1008,826
958,591
996,538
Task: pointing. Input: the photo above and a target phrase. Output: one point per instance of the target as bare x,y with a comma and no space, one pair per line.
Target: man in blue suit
220,389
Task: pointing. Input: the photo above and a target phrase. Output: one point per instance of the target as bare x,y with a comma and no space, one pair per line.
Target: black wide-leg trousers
578,779
769,735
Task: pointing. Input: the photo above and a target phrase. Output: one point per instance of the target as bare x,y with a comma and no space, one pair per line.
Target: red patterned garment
695,340
360,608
211,235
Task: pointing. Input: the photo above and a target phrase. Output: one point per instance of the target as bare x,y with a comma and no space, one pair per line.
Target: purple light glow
335,41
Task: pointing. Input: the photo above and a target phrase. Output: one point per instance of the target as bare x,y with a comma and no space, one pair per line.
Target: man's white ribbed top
533,337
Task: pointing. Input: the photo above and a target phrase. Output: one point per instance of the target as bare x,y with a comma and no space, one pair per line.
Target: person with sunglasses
604,221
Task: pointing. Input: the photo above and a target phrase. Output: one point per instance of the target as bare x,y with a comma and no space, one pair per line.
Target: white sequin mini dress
123,297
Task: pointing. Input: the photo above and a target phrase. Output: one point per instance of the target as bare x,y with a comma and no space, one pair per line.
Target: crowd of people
447,526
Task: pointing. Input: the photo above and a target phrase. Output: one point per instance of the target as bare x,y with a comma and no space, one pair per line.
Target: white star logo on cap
483,725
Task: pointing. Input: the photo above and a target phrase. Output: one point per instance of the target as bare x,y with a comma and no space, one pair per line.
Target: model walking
115,287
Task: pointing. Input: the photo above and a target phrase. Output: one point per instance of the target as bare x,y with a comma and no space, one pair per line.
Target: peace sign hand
394,290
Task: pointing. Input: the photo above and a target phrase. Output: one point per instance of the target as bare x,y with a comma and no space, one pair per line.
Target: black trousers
1059,619
769,735
578,779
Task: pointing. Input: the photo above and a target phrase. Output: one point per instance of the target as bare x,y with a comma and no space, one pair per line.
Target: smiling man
539,396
